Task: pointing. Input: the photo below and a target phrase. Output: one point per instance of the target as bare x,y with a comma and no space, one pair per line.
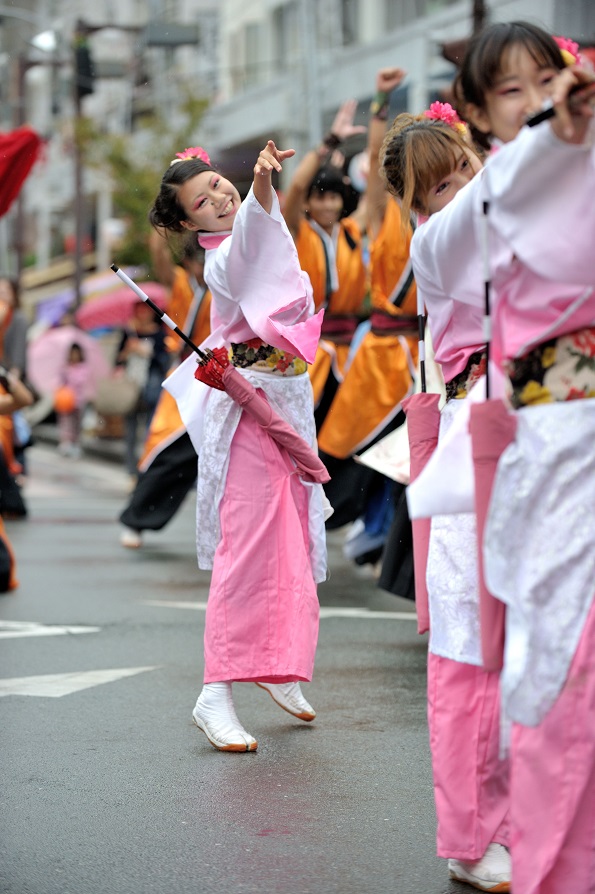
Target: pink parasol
215,370
47,357
114,309
423,423
52,309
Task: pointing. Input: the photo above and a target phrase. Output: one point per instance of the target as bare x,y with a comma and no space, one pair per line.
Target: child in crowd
71,399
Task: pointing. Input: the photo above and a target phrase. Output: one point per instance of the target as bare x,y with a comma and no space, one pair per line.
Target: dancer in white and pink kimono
259,526
539,553
427,160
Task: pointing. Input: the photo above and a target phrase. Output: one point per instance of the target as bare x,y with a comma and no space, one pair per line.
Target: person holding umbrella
259,527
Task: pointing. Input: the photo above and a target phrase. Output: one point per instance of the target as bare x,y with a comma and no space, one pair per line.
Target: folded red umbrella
492,428
215,370
423,423
218,372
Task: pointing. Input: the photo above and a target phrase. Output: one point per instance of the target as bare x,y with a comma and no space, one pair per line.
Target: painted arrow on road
57,685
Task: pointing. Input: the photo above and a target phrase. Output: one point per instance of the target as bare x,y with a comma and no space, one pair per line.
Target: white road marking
164,603
332,611
326,611
57,685
14,629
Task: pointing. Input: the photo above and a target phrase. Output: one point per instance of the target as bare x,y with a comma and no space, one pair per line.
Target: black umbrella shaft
487,319
488,334
421,327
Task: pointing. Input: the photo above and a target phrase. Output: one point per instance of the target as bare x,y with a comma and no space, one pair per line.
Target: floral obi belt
459,387
257,355
560,369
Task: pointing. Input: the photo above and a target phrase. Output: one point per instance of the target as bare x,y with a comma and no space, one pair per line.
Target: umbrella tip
114,268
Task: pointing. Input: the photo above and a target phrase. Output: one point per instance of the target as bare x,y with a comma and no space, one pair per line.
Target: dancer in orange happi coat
329,248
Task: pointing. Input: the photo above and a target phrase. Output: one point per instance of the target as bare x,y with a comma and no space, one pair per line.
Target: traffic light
84,69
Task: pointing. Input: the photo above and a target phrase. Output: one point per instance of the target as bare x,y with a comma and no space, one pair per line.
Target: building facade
268,68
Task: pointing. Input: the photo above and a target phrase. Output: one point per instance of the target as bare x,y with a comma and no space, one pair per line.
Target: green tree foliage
135,164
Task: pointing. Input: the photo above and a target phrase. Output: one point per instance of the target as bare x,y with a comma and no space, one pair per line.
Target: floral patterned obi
256,354
557,370
459,387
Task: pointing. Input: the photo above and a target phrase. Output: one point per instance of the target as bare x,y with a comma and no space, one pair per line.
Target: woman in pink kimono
427,162
259,526
539,557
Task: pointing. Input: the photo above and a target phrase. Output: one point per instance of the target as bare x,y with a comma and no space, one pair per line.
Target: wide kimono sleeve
541,192
264,278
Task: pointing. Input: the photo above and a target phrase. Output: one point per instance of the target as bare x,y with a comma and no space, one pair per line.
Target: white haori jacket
258,291
291,397
541,230
539,550
452,576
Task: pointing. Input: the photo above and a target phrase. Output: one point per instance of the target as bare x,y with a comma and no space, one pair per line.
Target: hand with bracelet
387,80
342,128
319,158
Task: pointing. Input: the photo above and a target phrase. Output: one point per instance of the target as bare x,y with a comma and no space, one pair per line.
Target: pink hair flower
443,111
194,152
569,50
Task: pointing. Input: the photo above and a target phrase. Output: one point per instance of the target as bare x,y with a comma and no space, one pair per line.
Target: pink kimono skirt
263,611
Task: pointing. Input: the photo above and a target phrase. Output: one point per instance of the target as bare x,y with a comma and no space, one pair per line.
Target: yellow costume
381,373
343,304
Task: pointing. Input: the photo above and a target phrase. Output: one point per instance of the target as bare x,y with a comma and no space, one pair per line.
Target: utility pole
311,74
480,14
83,85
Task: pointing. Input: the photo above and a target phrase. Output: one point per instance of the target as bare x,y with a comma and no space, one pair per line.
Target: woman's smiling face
210,202
519,90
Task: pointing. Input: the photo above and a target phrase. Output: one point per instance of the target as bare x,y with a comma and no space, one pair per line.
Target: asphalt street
108,788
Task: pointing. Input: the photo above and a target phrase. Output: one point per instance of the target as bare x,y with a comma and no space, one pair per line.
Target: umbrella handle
160,313
487,320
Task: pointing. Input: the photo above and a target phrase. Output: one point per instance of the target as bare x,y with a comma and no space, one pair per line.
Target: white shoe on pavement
289,697
491,873
215,715
131,539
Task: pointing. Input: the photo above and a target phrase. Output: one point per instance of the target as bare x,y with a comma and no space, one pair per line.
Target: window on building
400,12
252,54
349,12
236,70
285,35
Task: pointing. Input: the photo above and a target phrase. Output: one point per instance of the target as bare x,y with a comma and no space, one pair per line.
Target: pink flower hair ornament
192,152
569,50
443,111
